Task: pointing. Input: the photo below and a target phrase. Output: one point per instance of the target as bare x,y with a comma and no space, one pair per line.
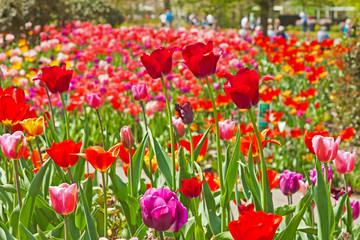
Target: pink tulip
127,138
227,130
94,100
180,127
63,198
140,92
345,161
325,148
13,146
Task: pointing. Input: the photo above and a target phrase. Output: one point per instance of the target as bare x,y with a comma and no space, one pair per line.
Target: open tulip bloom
145,133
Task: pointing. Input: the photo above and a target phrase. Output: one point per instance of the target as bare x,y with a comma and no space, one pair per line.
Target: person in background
347,27
169,18
203,22
276,24
210,20
270,31
281,32
322,34
163,19
244,22
304,19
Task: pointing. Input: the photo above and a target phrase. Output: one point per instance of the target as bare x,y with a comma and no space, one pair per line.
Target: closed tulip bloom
140,92
325,148
243,88
159,62
227,129
64,153
127,138
289,182
33,126
13,145
98,158
329,174
57,79
94,100
200,59
356,209
161,210
310,135
345,161
191,188
63,198
179,125
186,112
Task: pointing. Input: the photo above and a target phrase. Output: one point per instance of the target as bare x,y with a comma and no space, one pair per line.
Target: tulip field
144,133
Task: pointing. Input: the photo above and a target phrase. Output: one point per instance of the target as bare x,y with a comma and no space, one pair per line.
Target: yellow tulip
33,126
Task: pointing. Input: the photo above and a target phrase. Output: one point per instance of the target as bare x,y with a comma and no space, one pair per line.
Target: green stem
325,173
161,234
218,148
17,183
346,186
38,147
262,160
71,176
171,135
131,177
148,142
101,127
66,117
51,108
105,203
192,151
66,227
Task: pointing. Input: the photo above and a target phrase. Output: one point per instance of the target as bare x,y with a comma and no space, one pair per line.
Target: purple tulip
313,174
289,182
356,209
161,210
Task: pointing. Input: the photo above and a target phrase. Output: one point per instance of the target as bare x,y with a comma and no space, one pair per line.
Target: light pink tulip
127,138
227,130
179,125
345,161
325,148
63,198
94,100
140,92
13,146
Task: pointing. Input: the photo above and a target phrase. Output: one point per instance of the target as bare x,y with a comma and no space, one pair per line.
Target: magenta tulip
356,209
227,130
140,92
13,145
325,148
63,198
94,100
345,161
127,138
289,182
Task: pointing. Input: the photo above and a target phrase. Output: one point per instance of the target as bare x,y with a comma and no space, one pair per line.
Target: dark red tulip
243,88
64,153
191,188
200,59
159,62
57,79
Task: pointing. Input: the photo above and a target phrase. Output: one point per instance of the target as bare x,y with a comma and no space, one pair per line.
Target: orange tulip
35,159
98,158
246,140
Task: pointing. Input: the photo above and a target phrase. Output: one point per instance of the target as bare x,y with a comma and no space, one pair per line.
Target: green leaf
118,186
253,182
163,160
214,220
290,230
29,203
141,231
90,222
4,232
285,210
201,143
339,208
27,234
79,217
224,236
348,216
80,165
138,162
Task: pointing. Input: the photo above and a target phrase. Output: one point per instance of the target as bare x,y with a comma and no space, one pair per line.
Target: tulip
191,188
127,138
13,145
161,210
345,161
12,111
255,226
200,59
179,125
33,126
289,182
140,92
94,100
159,62
310,135
64,153
243,88
356,209
303,187
186,112
227,130
98,158
63,198
325,148
313,174
57,79
245,208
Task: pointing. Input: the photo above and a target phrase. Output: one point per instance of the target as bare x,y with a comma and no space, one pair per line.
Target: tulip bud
356,209
179,125
63,198
127,138
13,146
94,100
186,112
140,92
227,130
345,161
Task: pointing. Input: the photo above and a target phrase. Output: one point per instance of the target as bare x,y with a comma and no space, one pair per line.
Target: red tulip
255,226
243,88
159,62
63,153
200,59
98,158
310,135
12,108
57,79
191,188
